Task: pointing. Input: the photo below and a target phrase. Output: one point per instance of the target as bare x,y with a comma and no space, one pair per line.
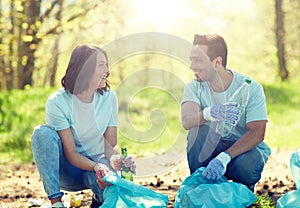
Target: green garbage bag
198,192
126,194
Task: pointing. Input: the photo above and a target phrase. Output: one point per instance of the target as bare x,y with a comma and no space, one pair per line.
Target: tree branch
53,30
47,12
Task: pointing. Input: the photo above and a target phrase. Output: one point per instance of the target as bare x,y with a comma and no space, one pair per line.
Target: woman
78,144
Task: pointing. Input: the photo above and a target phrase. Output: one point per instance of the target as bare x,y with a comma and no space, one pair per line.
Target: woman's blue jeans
204,145
55,170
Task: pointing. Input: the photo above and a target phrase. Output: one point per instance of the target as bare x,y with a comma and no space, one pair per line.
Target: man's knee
196,139
247,168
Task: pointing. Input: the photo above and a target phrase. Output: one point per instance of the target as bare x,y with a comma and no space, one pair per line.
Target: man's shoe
95,203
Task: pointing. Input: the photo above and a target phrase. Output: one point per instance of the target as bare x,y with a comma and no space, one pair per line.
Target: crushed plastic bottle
295,167
241,96
35,202
72,200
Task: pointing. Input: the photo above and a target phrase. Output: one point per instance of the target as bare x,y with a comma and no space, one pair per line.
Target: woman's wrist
97,166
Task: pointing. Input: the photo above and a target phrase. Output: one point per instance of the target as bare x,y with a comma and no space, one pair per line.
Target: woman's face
98,80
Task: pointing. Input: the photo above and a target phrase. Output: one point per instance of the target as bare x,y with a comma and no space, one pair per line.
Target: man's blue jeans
55,170
204,145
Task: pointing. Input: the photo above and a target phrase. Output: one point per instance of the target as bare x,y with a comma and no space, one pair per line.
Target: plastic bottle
295,167
241,96
125,171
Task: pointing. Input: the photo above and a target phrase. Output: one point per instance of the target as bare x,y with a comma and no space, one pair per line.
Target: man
240,157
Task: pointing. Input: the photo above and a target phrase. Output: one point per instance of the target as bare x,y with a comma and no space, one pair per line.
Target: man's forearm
191,120
247,142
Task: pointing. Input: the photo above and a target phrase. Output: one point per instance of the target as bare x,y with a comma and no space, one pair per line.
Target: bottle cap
248,81
124,151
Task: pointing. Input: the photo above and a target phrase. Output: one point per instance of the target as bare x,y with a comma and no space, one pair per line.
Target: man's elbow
185,124
259,135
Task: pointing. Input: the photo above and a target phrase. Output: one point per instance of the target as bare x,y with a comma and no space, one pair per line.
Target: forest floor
21,184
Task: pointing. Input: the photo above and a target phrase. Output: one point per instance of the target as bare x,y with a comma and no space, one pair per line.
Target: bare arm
191,115
111,142
112,149
81,161
71,152
255,135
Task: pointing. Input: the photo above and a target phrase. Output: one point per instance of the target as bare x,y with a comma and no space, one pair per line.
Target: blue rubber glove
217,167
228,112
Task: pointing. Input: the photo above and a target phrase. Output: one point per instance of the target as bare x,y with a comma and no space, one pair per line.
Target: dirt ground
21,183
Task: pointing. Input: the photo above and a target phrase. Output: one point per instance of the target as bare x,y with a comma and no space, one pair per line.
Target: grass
150,126
283,103
20,111
263,202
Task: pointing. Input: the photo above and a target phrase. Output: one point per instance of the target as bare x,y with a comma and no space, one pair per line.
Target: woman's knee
44,132
44,138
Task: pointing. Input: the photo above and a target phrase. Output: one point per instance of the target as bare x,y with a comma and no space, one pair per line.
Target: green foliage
151,124
20,111
283,104
263,202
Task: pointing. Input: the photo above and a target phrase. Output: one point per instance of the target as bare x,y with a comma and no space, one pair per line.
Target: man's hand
217,167
228,112
101,171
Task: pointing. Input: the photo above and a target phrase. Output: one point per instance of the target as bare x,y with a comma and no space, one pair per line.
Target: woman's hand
117,160
128,162
101,171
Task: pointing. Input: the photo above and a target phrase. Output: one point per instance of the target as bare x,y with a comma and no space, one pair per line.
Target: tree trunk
56,46
7,63
27,44
283,72
2,63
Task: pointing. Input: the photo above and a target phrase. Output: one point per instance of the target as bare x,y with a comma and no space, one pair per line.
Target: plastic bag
289,200
295,167
124,193
197,191
292,198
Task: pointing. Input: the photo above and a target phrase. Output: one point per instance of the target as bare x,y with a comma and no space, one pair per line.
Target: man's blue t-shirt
202,94
88,121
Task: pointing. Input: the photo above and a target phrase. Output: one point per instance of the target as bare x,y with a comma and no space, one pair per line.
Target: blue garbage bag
289,200
198,192
126,194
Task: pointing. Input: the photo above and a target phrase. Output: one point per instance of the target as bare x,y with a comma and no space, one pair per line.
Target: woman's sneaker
58,204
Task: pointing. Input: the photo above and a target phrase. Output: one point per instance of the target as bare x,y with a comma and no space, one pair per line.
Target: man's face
201,64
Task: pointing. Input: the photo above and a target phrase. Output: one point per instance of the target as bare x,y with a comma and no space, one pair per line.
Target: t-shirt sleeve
55,116
190,93
256,109
114,111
